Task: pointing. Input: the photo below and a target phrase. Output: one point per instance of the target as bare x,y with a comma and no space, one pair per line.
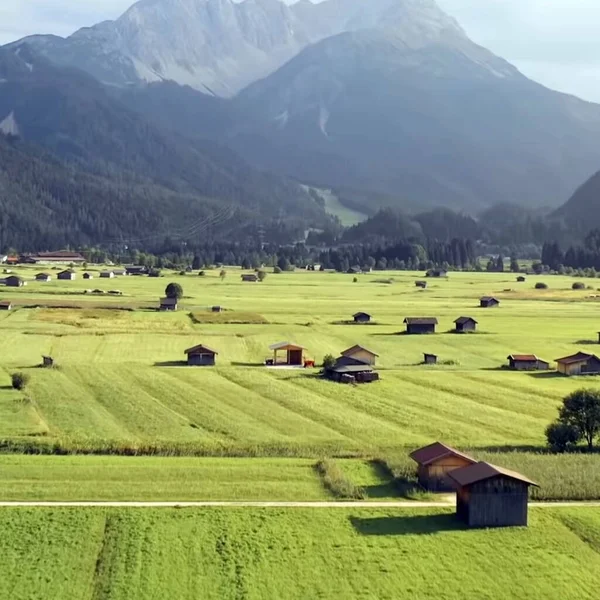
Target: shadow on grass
409,525
545,375
247,364
171,363
587,342
388,487
6,387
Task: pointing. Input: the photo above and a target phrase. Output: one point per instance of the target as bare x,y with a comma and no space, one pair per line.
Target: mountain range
238,103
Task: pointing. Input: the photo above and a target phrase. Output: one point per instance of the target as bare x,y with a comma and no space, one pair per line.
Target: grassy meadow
139,554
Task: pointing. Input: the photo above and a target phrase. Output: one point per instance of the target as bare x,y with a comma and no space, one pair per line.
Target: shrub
277,270
334,480
581,410
202,274
578,286
355,280
174,290
561,436
541,286
223,274
262,275
328,361
19,380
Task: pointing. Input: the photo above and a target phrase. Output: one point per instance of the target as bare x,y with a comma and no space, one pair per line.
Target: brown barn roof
525,358
463,320
199,349
5,303
436,451
489,299
481,471
286,346
363,368
357,348
421,321
576,358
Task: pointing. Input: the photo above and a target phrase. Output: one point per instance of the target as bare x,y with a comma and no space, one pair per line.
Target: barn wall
435,478
201,360
364,357
420,329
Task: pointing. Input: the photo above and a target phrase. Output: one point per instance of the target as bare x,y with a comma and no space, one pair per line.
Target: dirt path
243,504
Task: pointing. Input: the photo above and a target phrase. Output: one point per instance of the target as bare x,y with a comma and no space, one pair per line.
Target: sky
554,42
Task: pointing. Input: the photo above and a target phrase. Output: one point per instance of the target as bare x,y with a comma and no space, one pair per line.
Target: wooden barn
14,281
430,359
216,309
47,362
136,270
489,302
107,275
490,496
5,305
351,370
67,275
168,304
361,317
421,284
521,279
420,325
435,462
436,273
201,356
250,278
578,364
362,354
88,276
527,362
465,325
43,277
294,355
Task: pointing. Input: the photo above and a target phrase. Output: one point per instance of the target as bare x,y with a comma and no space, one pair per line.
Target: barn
351,370
436,273
168,304
14,281
201,356
521,279
420,325
88,276
527,362
250,278
294,355
107,275
362,354
421,284
490,496
43,277
489,302
465,325
5,305
578,364
430,359
361,317
435,462
67,275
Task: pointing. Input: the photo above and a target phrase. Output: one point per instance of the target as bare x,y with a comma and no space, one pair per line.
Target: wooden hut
88,276
490,496
5,305
43,277
67,275
527,362
351,370
250,277
436,273
521,279
47,362
420,325
362,354
489,302
361,317
201,356
435,462
430,359
294,354
465,325
421,284
107,275
216,309
168,304
136,270
14,281
578,364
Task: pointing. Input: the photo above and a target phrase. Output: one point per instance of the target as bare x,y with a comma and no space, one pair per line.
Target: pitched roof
42,275
481,471
199,349
463,320
575,358
348,361
5,303
361,314
525,358
286,346
353,368
421,321
357,348
436,451
168,301
489,299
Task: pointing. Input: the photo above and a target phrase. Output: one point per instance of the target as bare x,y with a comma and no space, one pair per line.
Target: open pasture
120,382
138,554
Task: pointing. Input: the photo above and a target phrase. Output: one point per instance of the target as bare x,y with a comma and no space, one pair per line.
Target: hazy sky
553,41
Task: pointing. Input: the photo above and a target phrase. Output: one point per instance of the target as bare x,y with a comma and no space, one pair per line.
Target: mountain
581,213
443,122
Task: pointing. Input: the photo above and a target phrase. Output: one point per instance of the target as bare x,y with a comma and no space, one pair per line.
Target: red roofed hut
527,362
435,462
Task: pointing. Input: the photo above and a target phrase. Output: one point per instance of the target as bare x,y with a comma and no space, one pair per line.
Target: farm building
362,317
136,270
436,273
362,354
527,362
201,356
578,364
5,305
489,302
430,359
490,496
216,309
421,284
168,304
88,276
351,370
250,277
47,362
60,257
354,271
465,325
107,274
294,355
420,325
43,277
14,281
435,462
67,275
120,272
521,279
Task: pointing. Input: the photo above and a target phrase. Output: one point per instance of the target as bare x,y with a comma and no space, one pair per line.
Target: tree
328,362
581,410
262,275
514,265
223,274
19,380
196,263
174,290
561,436
283,263
277,270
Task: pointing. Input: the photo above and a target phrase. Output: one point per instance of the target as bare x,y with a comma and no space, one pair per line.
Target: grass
228,318
294,554
335,481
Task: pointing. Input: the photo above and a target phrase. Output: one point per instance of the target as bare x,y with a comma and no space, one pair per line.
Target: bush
328,361
19,380
174,290
277,270
334,480
541,286
561,436
355,280
578,286
261,275
202,274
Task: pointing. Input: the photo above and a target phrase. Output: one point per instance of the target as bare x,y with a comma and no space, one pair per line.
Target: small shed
47,362
435,462
168,304
88,276
5,305
120,272
490,496
420,325
136,270
14,281
361,317
201,356
294,354
362,354
430,359
521,279
527,362
351,370
216,309
465,325
489,302
578,364
43,277
250,278
68,275
421,284
436,273
107,274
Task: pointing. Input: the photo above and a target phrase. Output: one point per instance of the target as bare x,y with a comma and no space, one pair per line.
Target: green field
135,554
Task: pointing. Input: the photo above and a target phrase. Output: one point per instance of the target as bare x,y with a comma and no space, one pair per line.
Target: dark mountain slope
581,213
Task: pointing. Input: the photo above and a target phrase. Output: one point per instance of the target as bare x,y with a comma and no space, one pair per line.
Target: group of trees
581,256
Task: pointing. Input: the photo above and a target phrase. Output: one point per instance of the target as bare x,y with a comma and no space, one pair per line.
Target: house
250,277
354,270
43,277
578,364
88,276
67,275
120,272
107,274
465,325
527,362
421,284
351,370
201,356
488,302
294,355
47,362
5,305
136,270
60,257
14,281
420,325
435,462
430,359
436,273
12,260
521,279
490,496
216,309
362,354
168,304
362,317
